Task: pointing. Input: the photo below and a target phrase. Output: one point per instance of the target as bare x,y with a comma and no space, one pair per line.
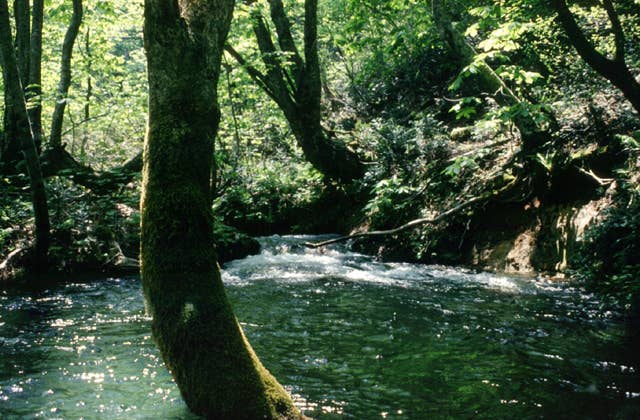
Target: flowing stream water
349,337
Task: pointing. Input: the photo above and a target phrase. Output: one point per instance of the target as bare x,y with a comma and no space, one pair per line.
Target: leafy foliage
108,80
272,199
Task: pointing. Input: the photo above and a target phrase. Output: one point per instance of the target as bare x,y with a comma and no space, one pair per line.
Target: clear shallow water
348,336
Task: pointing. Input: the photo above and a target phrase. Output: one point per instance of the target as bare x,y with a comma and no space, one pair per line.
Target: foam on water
287,259
349,336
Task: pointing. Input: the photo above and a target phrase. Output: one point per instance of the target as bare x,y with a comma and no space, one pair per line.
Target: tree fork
297,90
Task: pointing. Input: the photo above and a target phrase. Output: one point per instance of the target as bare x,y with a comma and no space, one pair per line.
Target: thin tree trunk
87,97
34,88
55,138
11,148
201,342
232,105
10,153
21,16
19,109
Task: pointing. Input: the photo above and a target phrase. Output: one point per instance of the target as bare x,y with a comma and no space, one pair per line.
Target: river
348,336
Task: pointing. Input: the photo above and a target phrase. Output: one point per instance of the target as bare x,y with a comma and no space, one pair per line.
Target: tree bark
21,16
18,108
88,94
12,143
298,90
55,137
10,152
330,157
34,88
201,342
613,69
10,148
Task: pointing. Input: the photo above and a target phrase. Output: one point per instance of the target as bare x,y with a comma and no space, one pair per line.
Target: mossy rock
231,244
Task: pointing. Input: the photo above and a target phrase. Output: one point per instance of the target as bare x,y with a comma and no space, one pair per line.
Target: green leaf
472,30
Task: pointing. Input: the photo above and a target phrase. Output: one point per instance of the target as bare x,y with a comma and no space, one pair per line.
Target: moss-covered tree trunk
201,342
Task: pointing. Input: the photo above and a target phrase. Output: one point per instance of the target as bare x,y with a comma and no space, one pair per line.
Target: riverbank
556,212
347,335
92,235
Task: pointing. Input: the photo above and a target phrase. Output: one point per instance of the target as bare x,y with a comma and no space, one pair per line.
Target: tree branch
57,161
617,30
410,225
586,50
253,72
285,39
85,120
616,70
275,76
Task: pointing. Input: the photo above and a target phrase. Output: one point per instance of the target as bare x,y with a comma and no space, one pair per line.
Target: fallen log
410,225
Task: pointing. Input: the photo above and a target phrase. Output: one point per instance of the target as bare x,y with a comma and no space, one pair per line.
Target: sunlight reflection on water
348,336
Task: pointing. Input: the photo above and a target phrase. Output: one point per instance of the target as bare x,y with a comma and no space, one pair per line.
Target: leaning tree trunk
613,69
16,102
296,88
55,138
202,344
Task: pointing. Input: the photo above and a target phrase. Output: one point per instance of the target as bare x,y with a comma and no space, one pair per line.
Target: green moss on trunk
218,373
